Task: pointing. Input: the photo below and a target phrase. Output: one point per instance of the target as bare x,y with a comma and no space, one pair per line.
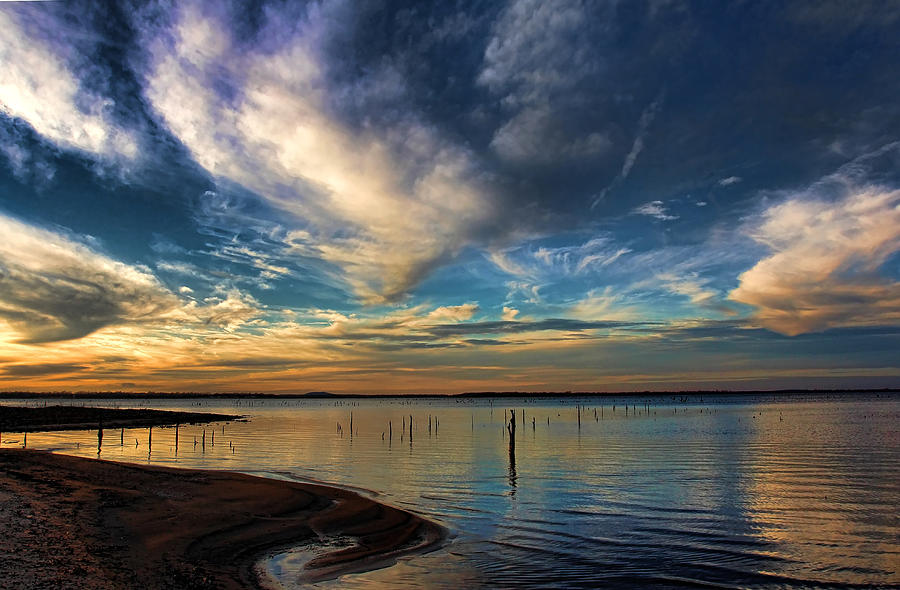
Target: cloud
40,369
457,313
729,181
690,286
39,88
503,260
525,291
654,209
518,327
539,55
28,165
577,259
556,270
228,312
535,135
386,205
826,263
637,147
509,313
53,287
603,304
546,262
56,287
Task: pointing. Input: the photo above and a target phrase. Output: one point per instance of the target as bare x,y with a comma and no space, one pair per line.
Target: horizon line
464,395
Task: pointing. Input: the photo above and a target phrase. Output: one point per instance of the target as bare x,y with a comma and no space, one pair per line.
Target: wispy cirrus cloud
539,267
545,262
637,146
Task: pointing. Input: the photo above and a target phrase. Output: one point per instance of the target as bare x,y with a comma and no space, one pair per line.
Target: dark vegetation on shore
21,419
155,395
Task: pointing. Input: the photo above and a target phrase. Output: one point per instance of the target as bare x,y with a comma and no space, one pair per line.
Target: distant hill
320,394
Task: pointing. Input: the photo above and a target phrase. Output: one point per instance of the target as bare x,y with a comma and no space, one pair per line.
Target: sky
438,197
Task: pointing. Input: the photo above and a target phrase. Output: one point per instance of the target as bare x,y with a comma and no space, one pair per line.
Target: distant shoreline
48,418
320,395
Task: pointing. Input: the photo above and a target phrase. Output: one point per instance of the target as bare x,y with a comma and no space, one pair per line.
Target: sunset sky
369,196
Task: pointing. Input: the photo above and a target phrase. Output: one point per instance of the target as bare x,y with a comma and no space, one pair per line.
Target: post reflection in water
734,490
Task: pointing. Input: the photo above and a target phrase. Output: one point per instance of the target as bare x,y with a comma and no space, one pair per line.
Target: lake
720,490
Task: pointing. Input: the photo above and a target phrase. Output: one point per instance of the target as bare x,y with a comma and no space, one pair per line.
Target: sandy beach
68,522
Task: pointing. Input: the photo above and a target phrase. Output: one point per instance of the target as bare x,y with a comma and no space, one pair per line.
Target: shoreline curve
90,523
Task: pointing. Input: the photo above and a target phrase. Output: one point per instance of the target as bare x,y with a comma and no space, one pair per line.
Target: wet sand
69,522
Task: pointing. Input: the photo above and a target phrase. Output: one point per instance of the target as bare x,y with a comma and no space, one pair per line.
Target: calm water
725,491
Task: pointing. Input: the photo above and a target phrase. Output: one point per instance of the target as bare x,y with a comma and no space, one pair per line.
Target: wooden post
511,427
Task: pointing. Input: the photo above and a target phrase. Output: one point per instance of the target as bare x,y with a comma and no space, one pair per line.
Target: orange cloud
824,270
